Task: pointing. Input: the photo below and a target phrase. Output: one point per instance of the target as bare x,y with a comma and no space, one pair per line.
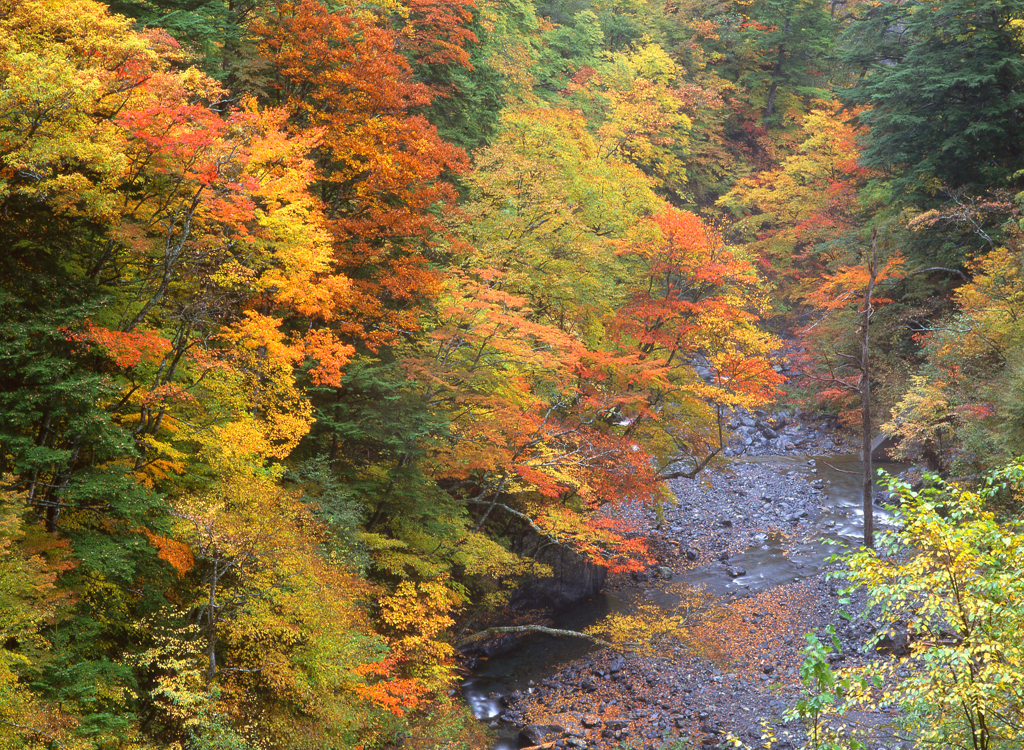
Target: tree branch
954,271
692,474
556,632
33,730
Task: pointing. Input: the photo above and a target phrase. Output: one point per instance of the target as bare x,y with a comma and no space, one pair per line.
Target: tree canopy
319,319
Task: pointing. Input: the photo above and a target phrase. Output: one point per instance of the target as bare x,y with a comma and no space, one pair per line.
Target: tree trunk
865,399
776,73
211,624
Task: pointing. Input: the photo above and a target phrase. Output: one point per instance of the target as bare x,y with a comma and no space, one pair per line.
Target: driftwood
545,746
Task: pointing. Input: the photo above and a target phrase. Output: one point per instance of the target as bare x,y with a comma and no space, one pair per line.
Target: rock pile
761,433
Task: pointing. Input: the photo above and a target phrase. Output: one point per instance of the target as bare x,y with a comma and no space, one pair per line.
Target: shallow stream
771,561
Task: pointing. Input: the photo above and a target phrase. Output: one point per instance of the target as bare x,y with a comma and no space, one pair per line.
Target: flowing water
774,560
770,561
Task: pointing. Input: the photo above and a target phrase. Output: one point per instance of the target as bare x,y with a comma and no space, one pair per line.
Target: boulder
574,578
538,734
882,447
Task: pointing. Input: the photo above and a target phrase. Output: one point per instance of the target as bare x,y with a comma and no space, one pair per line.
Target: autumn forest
315,316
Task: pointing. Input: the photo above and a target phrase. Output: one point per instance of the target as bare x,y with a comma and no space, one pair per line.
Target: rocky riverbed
746,533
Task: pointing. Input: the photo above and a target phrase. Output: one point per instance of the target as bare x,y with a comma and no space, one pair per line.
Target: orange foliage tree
530,426
697,305
209,277
797,215
564,355
382,167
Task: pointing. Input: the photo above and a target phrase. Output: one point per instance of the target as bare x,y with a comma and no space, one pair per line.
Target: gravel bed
741,672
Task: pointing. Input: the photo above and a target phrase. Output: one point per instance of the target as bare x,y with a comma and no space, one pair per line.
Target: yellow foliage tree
950,578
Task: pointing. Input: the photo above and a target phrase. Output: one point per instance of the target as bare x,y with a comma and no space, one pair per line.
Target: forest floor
741,670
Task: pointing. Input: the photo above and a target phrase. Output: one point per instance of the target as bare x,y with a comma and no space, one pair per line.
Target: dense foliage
317,319
949,579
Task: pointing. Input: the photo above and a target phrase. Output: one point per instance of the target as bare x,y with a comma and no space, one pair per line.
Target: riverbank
748,532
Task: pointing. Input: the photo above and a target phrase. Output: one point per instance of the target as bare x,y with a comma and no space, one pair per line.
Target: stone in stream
735,572
538,734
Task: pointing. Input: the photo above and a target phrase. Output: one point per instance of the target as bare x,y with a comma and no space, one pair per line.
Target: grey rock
574,579
537,734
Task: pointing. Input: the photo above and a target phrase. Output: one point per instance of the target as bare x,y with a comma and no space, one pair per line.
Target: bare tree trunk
865,398
211,624
776,73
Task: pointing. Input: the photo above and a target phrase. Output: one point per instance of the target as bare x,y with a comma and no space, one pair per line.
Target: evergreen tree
792,40
943,83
